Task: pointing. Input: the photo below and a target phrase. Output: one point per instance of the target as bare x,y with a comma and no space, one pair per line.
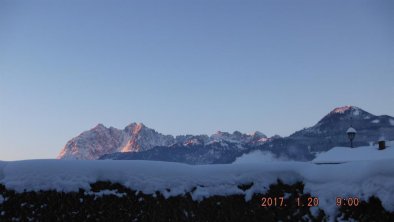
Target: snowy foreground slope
361,179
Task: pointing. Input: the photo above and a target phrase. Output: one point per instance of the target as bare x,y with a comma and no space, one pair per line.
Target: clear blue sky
186,66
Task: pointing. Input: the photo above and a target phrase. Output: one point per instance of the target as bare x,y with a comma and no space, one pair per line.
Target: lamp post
351,133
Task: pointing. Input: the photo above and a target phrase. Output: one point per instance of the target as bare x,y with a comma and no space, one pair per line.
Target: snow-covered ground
354,179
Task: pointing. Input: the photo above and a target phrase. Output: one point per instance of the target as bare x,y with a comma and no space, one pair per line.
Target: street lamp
351,133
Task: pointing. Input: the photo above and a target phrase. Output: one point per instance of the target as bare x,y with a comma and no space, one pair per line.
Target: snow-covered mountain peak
257,134
346,113
341,109
137,137
133,125
220,133
100,140
331,130
347,109
140,125
240,138
99,126
191,140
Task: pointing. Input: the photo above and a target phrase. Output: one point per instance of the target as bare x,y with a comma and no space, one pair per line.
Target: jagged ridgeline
136,141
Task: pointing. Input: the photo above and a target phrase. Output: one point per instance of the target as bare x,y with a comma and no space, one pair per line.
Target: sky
186,67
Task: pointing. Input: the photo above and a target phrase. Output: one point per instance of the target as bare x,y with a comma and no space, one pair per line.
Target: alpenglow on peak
344,109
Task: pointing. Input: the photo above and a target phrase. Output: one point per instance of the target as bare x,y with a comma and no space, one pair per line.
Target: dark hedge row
136,206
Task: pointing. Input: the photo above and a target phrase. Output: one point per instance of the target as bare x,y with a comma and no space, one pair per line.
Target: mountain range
136,141
137,138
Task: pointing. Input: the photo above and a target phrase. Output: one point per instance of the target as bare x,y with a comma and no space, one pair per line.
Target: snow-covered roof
346,154
382,138
351,130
